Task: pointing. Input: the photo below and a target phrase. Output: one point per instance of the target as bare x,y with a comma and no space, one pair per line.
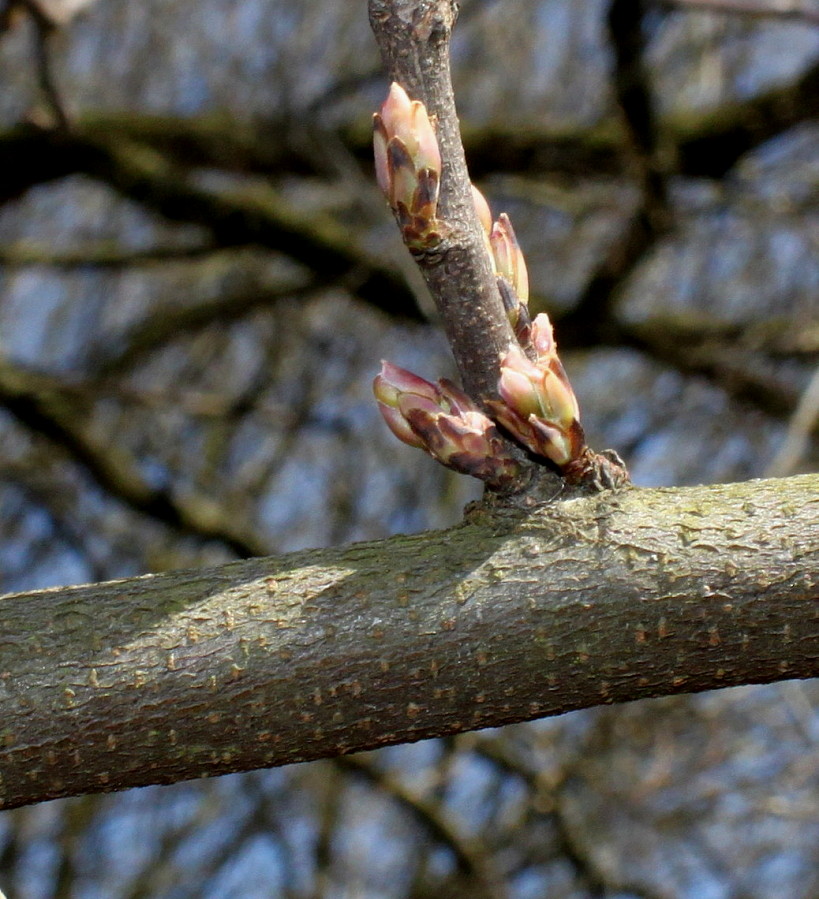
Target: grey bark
511,615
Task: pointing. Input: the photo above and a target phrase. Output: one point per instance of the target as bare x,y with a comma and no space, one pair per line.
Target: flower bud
408,164
508,256
482,208
389,387
538,404
542,336
441,419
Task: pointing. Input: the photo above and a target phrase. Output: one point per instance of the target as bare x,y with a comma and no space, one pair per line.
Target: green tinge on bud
508,256
441,419
483,210
408,165
540,389
538,404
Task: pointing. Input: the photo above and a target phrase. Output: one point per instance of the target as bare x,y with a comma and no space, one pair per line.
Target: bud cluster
441,419
537,406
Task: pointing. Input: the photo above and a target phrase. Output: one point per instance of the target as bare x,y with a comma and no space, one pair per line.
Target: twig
471,854
803,423
414,36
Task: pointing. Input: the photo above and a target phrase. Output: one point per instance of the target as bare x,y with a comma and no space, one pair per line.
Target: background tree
195,298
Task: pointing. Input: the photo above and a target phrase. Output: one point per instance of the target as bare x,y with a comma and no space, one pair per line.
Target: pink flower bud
396,112
405,148
540,389
441,419
423,143
389,387
538,404
519,387
400,426
542,336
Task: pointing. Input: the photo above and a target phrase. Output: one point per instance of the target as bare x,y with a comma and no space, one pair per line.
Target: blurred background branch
802,10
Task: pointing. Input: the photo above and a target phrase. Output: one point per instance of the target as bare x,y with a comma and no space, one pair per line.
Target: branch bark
509,616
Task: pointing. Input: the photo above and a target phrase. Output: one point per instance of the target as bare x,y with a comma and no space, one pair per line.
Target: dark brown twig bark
414,39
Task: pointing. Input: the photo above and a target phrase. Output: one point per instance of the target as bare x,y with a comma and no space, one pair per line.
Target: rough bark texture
511,615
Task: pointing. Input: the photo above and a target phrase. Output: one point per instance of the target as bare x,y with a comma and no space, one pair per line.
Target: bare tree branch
508,617
50,408
521,611
799,10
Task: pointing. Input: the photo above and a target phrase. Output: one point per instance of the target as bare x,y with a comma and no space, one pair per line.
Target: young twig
414,36
476,273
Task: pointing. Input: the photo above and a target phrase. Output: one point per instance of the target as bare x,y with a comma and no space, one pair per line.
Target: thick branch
507,617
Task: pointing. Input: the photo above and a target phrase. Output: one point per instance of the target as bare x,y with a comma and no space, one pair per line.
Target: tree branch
46,406
234,218
510,616
797,10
